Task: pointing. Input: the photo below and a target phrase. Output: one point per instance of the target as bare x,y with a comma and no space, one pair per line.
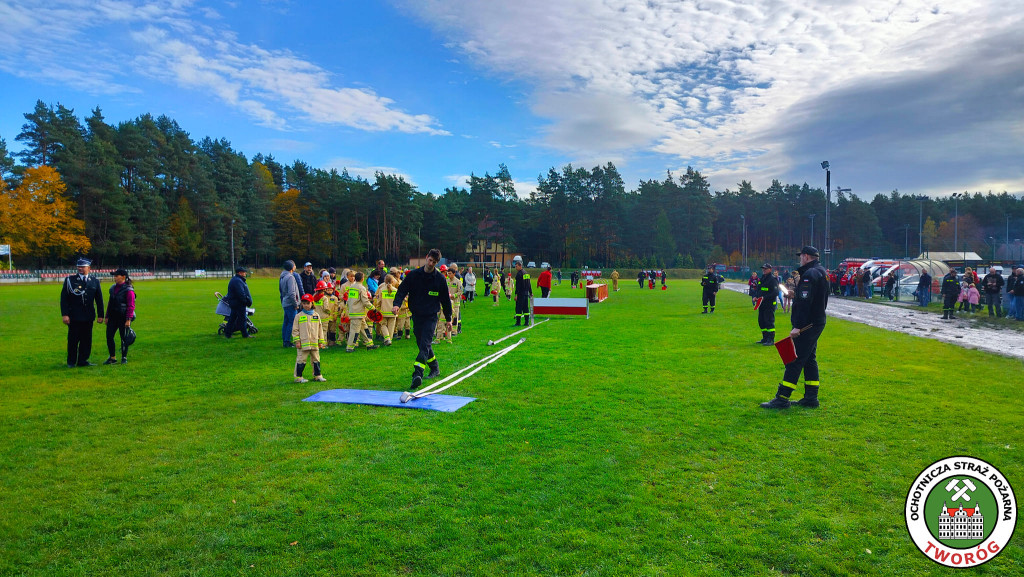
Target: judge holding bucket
808,313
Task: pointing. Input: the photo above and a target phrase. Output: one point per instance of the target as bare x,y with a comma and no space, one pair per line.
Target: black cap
240,268
766,265
119,272
809,251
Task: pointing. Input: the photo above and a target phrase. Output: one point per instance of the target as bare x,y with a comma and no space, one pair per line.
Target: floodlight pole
956,224
920,223
811,216
232,245
743,220
828,204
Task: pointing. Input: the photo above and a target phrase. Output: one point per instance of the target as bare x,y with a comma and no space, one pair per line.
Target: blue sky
924,97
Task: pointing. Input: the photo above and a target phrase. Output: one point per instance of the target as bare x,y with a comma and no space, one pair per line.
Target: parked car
531,264
545,265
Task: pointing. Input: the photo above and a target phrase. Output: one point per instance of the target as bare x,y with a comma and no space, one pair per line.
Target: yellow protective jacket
307,330
358,301
385,300
325,308
455,290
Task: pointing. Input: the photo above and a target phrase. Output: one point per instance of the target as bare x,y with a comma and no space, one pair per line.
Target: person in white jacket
469,284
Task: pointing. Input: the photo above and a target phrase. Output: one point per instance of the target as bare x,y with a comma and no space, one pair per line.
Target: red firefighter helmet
321,285
443,268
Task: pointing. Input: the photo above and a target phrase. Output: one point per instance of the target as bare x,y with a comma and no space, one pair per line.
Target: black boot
526,321
810,399
769,338
316,373
781,400
460,328
299,369
435,370
517,321
764,337
417,378
705,311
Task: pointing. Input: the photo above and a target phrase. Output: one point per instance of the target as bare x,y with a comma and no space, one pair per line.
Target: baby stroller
224,309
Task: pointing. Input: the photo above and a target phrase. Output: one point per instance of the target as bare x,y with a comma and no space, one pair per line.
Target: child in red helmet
308,338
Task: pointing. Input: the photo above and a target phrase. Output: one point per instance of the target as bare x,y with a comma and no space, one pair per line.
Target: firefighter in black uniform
768,292
427,290
81,302
711,283
523,292
950,293
809,304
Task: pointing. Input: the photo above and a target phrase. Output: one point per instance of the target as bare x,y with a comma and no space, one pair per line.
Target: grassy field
627,444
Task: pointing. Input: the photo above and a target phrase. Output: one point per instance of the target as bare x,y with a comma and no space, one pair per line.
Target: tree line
144,193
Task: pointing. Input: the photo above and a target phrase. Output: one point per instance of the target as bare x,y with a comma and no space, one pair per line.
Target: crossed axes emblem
954,485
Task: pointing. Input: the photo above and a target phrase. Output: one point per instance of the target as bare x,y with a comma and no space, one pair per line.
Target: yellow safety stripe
303,319
432,359
811,383
788,385
419,364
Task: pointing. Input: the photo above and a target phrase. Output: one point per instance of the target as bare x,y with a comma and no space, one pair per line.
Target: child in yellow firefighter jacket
323,308
308,337
332,306
509,283
358,303
455,290
384,301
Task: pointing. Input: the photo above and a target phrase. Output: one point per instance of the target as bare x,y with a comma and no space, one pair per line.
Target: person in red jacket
544,282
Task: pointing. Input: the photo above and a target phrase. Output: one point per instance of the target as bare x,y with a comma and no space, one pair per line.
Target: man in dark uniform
950,293
768,292
711,285
523,292
427,290
81,292
808,308
238,298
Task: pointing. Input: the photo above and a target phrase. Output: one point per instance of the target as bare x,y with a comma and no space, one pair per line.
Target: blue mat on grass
446,403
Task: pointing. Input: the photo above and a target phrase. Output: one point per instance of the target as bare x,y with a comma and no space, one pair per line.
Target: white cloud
369,173
706,82
84,44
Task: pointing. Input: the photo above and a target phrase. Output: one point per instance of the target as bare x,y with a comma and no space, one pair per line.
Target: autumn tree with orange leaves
37,219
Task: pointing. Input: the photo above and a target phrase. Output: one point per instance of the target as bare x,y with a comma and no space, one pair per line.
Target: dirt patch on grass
968,331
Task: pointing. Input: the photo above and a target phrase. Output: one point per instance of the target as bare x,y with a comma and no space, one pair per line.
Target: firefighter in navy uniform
81,302
768,292
950,290
808,308
427,290
523,292
711,283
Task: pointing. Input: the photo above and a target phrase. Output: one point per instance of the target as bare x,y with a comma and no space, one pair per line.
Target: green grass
627,444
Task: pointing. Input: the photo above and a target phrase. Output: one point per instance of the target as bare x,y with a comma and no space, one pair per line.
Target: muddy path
965,331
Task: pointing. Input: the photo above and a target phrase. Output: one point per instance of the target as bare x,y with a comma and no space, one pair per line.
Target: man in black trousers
78,296
238,298
427,290
809,304
768,292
